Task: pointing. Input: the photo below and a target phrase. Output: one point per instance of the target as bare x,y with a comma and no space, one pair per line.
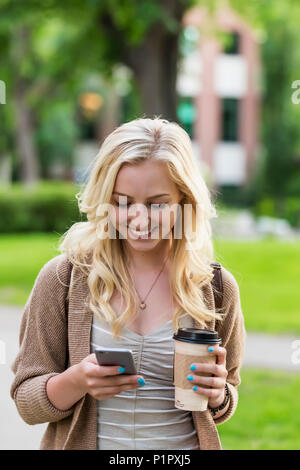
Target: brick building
219,94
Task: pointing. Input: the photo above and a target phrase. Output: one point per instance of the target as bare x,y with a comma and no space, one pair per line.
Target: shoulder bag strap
217,285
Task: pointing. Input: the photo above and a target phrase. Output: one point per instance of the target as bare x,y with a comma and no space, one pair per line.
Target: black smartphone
116,357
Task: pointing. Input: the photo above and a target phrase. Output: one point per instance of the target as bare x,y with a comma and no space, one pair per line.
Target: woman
136,271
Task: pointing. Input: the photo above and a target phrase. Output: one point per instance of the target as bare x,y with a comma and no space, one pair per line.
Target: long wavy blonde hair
103,260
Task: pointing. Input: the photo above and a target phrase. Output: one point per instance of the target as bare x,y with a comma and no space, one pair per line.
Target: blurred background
229,73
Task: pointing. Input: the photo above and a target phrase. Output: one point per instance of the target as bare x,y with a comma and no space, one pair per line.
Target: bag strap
217,285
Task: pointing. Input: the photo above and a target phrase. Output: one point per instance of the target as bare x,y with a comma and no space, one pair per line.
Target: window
229,119
232,43
186,114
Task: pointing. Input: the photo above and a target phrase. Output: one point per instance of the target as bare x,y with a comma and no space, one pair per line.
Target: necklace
143,305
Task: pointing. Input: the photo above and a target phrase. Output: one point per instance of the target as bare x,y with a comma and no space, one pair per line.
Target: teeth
138,233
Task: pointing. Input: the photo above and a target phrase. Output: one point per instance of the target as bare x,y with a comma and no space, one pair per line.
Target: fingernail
195,388
190,377
193,367
141,381
210,349
121,369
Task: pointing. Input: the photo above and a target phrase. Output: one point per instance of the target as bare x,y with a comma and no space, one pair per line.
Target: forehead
147,176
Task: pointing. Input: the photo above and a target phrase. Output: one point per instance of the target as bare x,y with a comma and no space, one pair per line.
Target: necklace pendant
142,306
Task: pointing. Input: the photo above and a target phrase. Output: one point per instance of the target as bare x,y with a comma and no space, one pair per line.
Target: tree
277,24
143,34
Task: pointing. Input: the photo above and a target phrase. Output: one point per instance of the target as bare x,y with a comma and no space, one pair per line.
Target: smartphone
116,357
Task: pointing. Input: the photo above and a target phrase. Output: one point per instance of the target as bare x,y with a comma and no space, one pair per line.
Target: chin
143,244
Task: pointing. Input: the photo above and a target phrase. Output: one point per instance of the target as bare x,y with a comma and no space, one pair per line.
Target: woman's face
141,199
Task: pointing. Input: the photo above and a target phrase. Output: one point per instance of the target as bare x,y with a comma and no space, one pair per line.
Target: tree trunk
154,63
24,132
24,128
108,118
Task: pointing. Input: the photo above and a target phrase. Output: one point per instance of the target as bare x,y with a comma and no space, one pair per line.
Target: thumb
91,358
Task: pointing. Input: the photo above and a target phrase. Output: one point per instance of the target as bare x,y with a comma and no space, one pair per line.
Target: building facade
219,94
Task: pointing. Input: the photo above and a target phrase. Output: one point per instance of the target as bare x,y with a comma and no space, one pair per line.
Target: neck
149,260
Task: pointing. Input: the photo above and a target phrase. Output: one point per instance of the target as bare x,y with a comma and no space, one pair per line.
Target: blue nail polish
195,388
190,377
121,369
193,367
210,349
141,381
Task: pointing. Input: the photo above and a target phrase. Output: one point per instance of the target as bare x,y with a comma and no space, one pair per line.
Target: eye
159,206
155,206
120,205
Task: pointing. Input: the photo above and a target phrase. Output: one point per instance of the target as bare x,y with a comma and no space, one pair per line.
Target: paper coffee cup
191,346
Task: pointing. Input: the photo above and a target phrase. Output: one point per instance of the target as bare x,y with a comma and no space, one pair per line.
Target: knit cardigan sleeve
42,344
232,331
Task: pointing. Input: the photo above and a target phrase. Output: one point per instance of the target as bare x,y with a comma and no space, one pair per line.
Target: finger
220,352
214,382
202,368
91,358
211,393
124,380
105,371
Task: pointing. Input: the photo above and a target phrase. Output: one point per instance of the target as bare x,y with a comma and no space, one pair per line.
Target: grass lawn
268,276
268,413
22,257
267,273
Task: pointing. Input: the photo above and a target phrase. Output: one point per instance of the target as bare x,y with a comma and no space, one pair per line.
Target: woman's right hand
102,382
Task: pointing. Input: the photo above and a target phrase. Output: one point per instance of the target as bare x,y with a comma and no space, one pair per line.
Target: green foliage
292,210
276,27
265,207
286,208
57,135
50,207
65,42
230,195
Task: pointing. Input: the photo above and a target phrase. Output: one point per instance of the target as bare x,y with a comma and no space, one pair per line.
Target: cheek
167,219
119,216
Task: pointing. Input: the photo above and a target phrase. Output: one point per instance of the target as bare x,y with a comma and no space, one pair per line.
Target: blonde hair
104,261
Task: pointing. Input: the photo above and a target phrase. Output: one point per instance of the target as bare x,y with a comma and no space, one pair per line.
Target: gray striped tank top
144,418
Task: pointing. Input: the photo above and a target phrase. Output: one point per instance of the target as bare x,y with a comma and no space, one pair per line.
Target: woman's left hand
215,394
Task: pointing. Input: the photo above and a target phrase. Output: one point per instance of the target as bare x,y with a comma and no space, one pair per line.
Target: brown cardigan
52,340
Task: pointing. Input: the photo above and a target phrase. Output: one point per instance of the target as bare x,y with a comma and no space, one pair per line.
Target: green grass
268,276
267,273
268,413
22,257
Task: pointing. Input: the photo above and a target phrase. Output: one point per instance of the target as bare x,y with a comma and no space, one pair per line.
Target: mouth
141,235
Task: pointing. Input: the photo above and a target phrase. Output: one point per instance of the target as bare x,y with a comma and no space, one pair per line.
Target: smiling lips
141,234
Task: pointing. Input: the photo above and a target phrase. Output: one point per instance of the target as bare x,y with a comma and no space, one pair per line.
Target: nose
140,220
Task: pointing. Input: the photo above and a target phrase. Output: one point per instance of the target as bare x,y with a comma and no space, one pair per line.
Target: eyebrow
150,197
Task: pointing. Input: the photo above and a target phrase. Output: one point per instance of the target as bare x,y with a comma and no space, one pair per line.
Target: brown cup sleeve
181,369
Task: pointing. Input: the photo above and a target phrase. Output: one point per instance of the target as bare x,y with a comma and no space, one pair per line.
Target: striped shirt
144,418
